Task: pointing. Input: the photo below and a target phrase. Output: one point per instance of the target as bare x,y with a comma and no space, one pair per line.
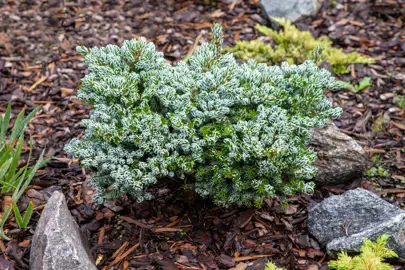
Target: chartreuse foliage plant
399,100
363,84
240,131
272,266
295,47
377,170
371,257
14,179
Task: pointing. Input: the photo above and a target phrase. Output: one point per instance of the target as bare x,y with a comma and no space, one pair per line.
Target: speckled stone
57,243
363,214
290,9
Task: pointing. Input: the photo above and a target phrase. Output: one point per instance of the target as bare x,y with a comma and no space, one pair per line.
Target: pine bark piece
57,242
340,158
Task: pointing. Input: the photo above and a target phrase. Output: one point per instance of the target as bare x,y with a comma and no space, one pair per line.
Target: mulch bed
38,65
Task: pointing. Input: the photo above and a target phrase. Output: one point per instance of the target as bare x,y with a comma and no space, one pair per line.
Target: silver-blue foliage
241,129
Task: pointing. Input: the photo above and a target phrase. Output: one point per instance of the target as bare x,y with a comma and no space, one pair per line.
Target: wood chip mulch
39,65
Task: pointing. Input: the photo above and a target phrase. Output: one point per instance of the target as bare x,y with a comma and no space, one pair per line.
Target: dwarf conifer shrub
240,130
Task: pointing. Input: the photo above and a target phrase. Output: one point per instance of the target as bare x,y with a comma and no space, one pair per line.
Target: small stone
182,259
240,266
57,242
386,96
332,28
158,19
97,17
343,222
15,18
247,30
290,9
400,62
340,158
394,109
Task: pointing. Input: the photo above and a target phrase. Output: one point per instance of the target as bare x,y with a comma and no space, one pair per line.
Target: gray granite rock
343,222
57,242
290,9
340,158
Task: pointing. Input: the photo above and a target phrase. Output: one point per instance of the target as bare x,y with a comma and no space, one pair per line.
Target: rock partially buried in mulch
340,158
57,243
343,222
290,9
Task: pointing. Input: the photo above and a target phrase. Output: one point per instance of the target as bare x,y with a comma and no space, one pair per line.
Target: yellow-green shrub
272,266
294,46
370,258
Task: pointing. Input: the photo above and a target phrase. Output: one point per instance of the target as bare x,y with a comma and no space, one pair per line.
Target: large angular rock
57,243
340,158
290,9
343,222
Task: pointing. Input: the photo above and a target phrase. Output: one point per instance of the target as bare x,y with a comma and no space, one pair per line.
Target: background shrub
295,47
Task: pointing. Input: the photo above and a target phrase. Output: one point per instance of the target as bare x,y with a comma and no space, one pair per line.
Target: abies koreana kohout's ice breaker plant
241,131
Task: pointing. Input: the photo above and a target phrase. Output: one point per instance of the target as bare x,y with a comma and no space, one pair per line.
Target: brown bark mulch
38,65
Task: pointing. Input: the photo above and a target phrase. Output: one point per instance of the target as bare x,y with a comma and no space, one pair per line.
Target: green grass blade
8,185
3,235
28,214
20,190
4,168
16,159
43,162
5,155
5,216
29,155
3,147
17,178
19,183
25,172
18,126
5,121
17,216
21,123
